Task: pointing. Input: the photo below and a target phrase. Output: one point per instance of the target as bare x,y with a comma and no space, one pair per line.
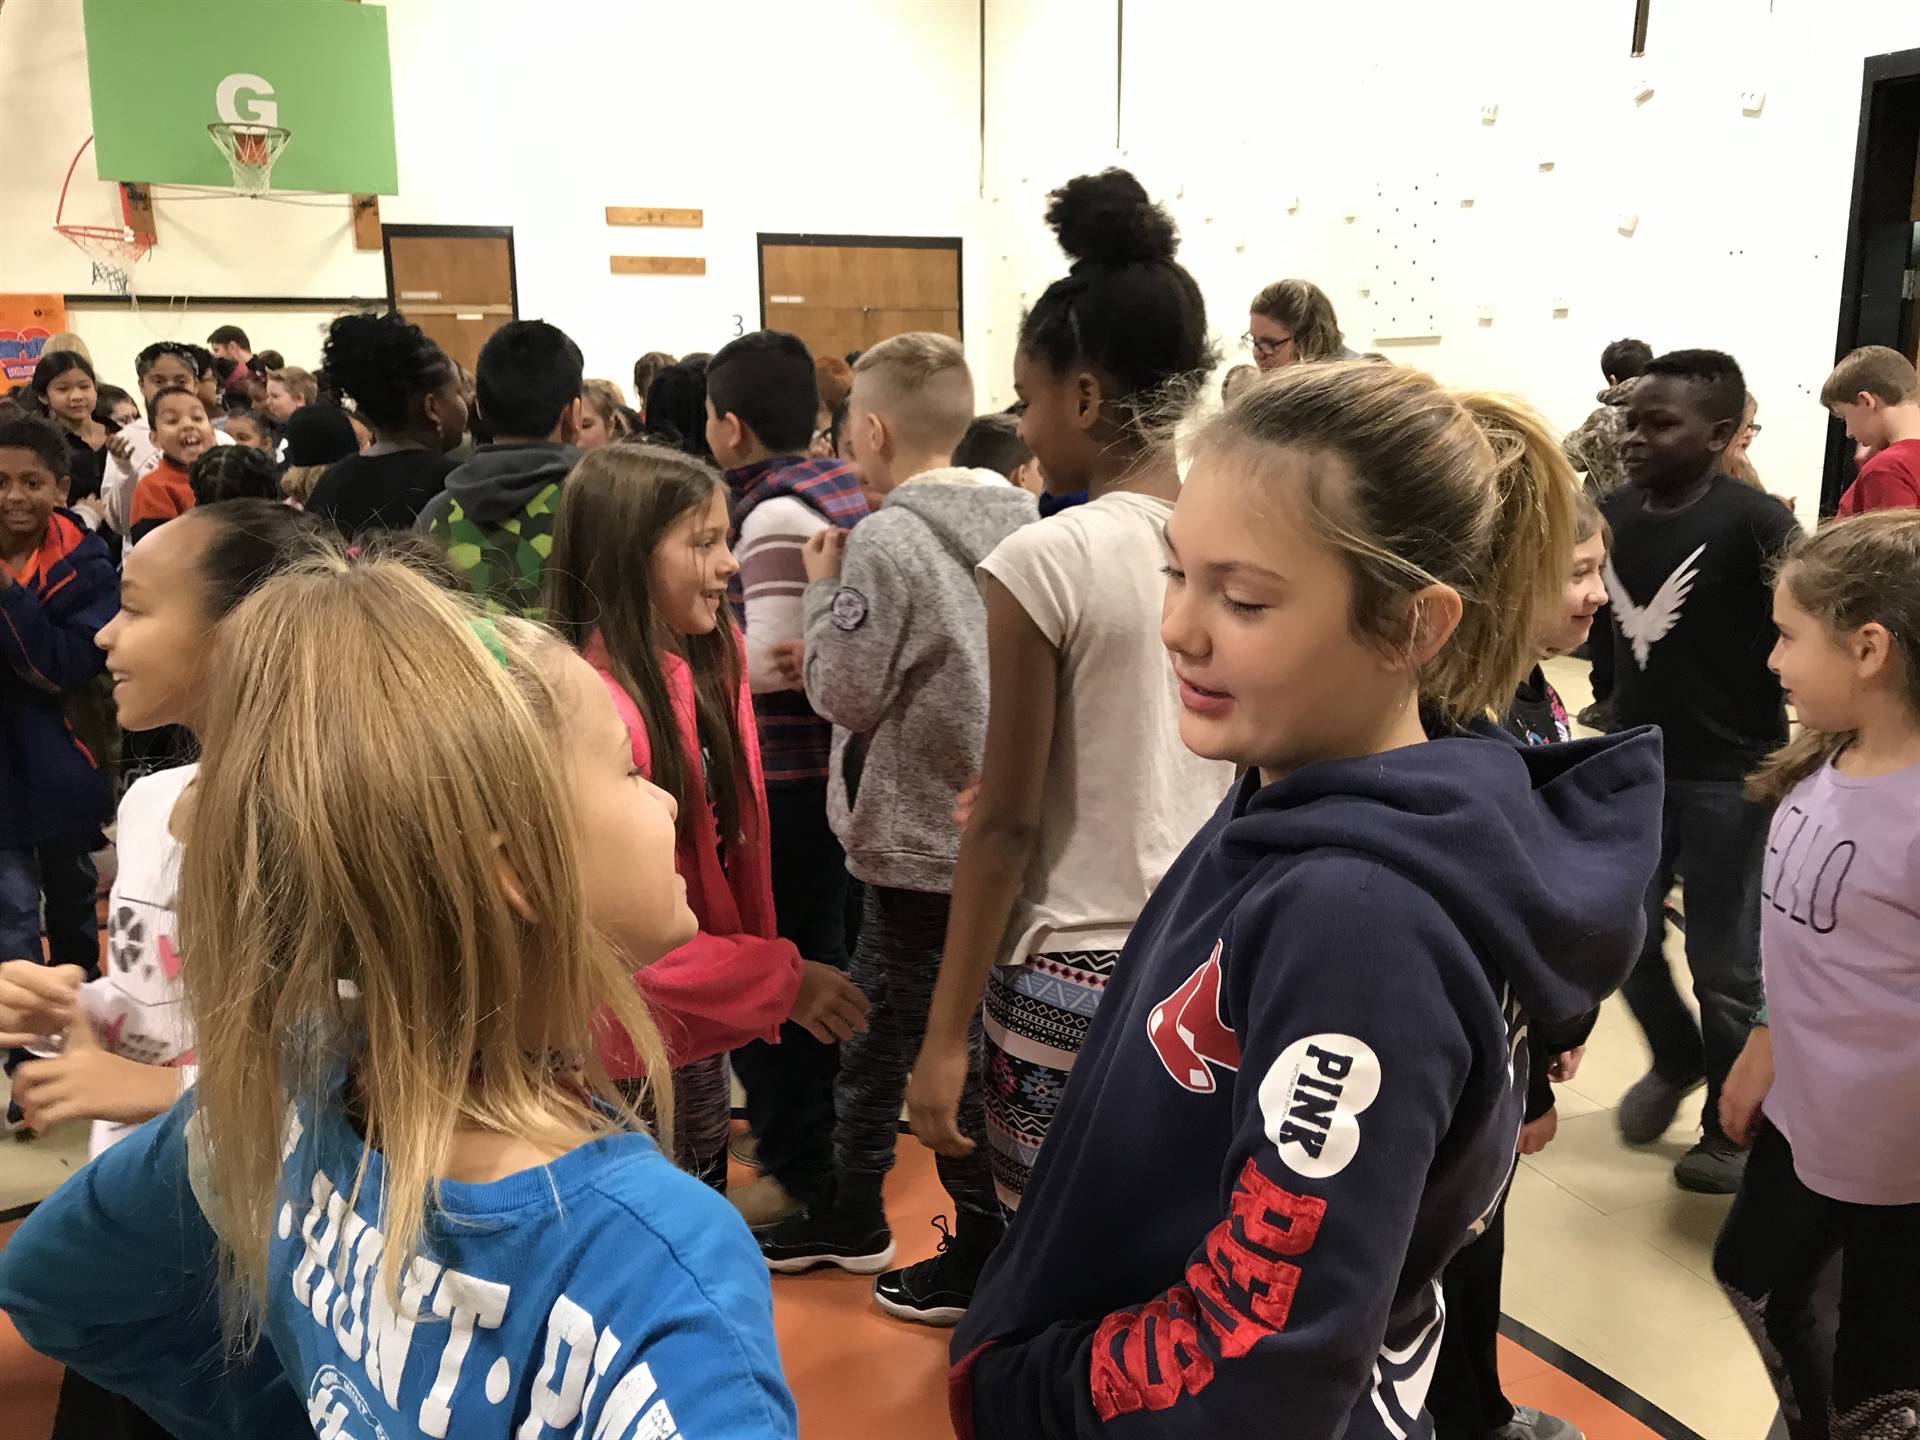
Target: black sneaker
860,1243
1597,716
936,1291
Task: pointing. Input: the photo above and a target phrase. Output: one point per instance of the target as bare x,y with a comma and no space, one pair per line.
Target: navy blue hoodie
1301,1094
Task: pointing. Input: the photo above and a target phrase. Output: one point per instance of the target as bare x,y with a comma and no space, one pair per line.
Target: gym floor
1615,1321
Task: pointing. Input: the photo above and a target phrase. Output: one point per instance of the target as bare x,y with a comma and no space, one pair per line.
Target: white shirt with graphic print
137,1007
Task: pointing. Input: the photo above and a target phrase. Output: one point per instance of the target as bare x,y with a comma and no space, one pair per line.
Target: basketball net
250,151
113,249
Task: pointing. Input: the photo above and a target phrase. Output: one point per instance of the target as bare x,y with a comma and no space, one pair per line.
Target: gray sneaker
1713,1167
1531,1424
1646,1111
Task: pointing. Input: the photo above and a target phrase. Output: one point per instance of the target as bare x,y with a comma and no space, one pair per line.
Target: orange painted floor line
854,1370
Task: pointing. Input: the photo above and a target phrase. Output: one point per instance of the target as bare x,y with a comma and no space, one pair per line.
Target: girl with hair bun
1086,794
406,389
1302,1092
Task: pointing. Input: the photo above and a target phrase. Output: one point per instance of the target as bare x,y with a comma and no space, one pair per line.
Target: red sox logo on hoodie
1188,1034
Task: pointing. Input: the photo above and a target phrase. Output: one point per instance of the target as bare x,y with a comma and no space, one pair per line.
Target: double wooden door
847,293
456,282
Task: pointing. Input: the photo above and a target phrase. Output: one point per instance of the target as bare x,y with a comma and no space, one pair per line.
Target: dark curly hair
1126,308
385,364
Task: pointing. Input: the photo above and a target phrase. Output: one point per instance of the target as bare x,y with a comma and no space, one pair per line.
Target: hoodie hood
971,511
1618,395
1541,854
500,479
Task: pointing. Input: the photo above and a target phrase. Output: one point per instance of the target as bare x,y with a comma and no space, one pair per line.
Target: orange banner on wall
26,323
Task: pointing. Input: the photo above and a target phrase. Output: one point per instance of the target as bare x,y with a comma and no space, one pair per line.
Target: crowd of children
1210,868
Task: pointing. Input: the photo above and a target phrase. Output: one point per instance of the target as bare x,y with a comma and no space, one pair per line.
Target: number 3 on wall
739,327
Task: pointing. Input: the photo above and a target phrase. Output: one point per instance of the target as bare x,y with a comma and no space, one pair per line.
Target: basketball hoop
113,249
250,151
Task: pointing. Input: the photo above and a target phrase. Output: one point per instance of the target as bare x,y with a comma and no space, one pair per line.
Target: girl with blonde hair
1313,1042
406,940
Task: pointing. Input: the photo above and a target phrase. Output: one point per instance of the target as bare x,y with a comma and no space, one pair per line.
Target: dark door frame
450,232
876,242
1880,233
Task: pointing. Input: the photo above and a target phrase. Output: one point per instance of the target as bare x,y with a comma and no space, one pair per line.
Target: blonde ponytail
1496,644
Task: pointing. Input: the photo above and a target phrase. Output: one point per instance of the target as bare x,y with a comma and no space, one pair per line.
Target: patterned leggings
1037,1015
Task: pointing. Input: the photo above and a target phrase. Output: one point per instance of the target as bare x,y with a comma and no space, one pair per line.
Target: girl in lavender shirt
1828,1088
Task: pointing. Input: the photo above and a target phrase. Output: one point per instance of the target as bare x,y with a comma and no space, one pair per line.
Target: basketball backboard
162,71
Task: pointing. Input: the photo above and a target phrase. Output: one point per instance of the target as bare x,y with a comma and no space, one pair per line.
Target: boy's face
862,438
1581,600
181,429
727,438
167,371
1865,419
1670,439
29,491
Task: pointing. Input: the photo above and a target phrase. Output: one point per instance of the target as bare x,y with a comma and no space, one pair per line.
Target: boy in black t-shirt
1690,583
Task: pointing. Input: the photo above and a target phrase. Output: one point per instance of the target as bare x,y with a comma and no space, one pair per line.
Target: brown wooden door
457,286
849,295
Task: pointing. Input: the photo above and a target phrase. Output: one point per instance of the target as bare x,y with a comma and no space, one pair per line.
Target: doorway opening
1880,286
842,293
456,282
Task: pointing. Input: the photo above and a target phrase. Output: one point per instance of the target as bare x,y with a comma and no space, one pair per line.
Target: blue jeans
62,871
1715,840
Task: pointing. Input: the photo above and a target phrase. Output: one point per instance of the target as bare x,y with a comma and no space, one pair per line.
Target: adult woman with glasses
1293,320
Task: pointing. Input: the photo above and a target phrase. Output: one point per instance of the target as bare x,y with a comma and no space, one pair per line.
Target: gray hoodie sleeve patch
848,610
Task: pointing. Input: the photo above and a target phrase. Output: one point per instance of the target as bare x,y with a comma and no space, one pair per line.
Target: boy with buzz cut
1690,578
57,590
896,657
763,402
495,518
1875,393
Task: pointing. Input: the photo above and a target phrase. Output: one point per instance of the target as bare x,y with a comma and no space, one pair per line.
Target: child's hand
933,1098
963,803
36,1001
830,1007
823,552
88,1083
1536,1135
1565,1065
790,659
1747,1086
120,447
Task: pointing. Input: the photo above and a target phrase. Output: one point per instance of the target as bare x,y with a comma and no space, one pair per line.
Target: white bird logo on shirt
1647,625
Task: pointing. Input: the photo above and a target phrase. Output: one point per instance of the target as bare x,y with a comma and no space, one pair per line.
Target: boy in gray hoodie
896,658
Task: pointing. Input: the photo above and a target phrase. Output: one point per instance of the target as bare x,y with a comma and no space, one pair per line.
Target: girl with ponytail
1828,1086
1302,1092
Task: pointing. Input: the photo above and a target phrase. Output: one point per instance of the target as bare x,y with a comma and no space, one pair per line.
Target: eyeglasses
1264,344
1754,429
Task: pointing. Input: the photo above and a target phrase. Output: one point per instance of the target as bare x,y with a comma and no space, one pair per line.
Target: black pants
1716,840
1778,1238
1465,1398
86,1412
896,963
1600,648
790,1085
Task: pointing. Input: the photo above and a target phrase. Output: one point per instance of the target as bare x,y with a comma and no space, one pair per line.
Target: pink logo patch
169,958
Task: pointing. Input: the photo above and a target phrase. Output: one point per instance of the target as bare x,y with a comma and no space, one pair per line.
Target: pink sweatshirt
736,980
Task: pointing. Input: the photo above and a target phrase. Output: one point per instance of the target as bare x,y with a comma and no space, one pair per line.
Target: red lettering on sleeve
1242,1292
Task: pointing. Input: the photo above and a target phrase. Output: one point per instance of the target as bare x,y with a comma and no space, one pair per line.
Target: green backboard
161,70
